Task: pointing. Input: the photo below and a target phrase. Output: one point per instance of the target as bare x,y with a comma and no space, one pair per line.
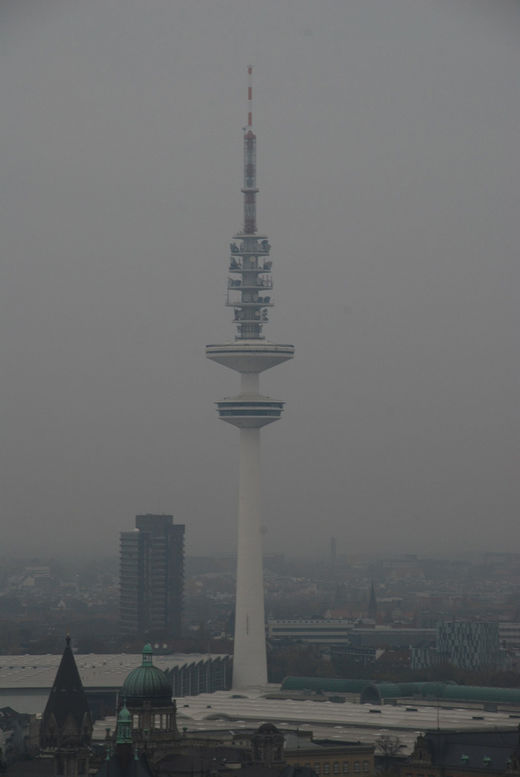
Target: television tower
249,294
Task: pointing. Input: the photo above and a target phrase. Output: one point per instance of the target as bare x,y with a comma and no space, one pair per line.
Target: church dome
146,683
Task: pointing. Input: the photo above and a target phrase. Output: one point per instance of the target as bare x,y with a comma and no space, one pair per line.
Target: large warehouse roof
334,684
481,694
377,693
97,671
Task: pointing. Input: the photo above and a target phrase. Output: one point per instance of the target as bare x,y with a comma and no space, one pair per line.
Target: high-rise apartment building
152,577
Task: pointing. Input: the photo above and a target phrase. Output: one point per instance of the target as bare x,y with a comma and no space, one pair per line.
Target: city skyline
389,155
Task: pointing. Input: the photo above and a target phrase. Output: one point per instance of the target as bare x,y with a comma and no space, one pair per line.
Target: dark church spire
66,720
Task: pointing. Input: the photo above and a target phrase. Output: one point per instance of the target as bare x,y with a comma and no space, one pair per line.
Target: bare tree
388,746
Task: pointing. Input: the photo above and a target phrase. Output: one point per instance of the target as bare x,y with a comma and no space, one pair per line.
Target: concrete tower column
249,660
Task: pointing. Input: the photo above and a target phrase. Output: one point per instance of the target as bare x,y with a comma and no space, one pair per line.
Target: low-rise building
332,757
463,753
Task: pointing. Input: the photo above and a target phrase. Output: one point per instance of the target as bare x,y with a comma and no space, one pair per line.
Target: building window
345,767
317,768
356,766
326,768
365,766
335,767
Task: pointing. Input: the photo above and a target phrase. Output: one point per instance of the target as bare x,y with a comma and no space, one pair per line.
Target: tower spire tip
250,96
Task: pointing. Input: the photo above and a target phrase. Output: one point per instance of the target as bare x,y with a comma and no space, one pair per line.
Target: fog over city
389,178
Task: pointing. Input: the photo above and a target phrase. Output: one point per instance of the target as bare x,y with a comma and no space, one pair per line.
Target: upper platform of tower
252,356
250,282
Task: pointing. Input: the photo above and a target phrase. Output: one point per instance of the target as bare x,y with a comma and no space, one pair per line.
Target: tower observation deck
249,293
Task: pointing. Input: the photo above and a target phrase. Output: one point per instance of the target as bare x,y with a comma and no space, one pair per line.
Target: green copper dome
147,683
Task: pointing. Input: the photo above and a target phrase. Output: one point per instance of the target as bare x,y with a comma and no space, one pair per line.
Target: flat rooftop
96,671
347,721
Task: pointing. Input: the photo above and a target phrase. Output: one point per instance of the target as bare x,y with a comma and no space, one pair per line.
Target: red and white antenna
250,96
249,188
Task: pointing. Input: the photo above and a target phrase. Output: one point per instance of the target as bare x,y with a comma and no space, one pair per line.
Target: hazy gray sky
389,171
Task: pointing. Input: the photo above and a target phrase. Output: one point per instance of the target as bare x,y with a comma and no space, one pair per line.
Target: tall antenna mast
250,96
249,294
249,189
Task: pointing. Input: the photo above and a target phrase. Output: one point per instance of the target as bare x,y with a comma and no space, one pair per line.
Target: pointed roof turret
66,720
124,726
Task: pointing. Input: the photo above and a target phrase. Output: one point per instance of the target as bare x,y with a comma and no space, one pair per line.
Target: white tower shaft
249,660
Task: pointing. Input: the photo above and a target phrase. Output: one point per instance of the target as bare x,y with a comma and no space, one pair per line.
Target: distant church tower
66,727
372,603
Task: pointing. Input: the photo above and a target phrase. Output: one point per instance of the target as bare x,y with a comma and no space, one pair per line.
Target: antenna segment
249,189
249,96
250,285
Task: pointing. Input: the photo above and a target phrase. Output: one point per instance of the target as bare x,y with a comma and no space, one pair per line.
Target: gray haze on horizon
389,178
